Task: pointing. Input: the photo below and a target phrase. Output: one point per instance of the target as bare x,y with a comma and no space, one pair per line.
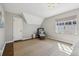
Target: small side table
33,36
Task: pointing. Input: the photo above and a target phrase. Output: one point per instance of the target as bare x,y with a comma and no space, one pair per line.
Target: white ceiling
40,9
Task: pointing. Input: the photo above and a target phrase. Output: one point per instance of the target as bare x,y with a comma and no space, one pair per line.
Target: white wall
33,22
9,26
29,29
50,27
2,32
32,19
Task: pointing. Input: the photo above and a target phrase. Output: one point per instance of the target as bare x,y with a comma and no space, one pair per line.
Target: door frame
12,27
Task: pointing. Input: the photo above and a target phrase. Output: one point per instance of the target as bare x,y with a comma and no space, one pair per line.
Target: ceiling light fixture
51,5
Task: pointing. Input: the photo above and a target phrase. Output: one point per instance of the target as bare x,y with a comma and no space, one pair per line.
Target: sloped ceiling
40,9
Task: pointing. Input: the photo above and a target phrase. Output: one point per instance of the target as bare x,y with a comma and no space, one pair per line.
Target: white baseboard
1,51
15,40
59,40
27,38
9,41
22,39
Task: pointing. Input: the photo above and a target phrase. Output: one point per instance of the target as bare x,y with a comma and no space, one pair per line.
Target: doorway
17,28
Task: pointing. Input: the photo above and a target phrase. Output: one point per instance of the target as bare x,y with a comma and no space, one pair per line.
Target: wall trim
9,41
16,40
58,40
1,51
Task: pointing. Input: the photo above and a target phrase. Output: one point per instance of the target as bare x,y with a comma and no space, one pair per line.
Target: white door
17,28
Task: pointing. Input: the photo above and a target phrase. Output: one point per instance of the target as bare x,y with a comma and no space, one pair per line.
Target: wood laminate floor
9,50
47,47
36,47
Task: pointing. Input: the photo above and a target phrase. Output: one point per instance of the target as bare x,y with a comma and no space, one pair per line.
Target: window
66,25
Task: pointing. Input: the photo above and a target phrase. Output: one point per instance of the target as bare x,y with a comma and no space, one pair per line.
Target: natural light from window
65,48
